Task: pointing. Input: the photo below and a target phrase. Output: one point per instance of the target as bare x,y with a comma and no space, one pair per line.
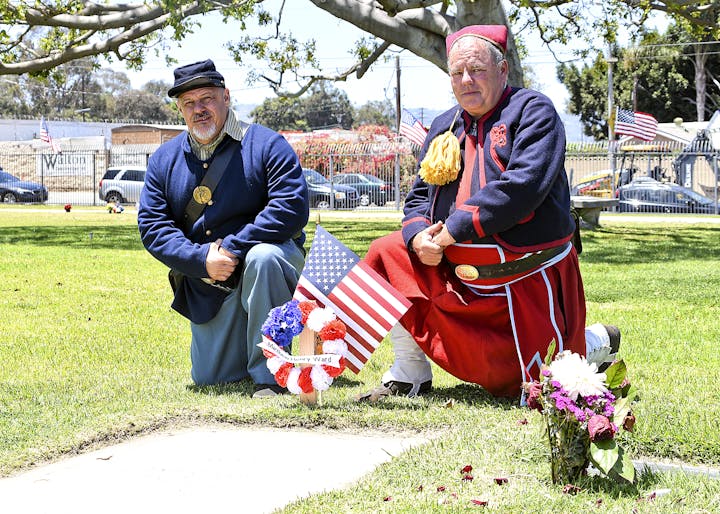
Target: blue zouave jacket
520,200
261,198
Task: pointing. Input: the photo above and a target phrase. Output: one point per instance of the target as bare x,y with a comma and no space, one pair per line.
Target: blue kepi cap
195,75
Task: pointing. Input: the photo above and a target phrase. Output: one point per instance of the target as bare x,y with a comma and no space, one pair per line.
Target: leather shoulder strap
212,177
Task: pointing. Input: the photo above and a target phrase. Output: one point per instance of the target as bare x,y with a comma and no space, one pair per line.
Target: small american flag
368,305
411,128
45,136
637,124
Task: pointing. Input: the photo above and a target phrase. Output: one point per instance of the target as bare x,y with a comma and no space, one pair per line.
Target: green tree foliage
328,107
145,107
376,112
281,114
40,36
325,106
657,76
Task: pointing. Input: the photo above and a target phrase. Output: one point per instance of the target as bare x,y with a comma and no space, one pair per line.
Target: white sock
410,365
597,344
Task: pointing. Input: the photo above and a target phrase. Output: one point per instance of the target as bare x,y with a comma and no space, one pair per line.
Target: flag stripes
411,128
637,124
335,278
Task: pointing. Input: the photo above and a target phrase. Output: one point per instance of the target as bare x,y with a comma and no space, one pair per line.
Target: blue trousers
225,348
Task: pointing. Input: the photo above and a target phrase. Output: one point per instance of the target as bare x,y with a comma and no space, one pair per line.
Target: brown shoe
393,388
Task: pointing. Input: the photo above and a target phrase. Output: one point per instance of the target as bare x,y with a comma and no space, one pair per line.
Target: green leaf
604,454
616,374
624,466
550,352
622,406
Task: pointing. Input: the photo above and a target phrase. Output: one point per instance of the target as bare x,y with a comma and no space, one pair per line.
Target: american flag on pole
411,128
637,124
45,136
368,305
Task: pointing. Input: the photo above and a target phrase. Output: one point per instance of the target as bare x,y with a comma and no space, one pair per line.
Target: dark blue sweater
262,197
523,201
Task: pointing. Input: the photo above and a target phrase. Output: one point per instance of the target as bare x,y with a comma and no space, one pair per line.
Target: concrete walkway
204,469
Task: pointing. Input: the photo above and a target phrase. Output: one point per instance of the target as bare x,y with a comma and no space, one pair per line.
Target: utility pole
397,93
396,181
610,60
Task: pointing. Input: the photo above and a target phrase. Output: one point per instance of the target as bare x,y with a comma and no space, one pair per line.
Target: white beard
204,134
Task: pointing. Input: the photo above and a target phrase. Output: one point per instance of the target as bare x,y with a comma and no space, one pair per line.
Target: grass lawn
91,353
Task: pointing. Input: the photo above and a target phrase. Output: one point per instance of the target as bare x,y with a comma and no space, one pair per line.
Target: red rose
534,390
600,428
333,330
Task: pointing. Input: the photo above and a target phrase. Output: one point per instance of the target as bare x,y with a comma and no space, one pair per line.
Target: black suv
648,195
324,194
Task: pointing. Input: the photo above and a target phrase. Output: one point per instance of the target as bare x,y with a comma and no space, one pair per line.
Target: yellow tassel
441,164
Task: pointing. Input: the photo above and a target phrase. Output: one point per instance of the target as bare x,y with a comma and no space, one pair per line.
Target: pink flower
534,390
600,428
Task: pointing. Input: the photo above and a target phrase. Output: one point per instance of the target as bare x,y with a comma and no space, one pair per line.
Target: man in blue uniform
485,253
224,207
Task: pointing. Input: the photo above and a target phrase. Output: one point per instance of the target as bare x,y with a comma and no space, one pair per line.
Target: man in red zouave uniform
486,256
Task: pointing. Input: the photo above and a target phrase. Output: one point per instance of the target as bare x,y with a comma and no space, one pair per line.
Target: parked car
600,184
13,189
372,189
648,195
321,189
122,184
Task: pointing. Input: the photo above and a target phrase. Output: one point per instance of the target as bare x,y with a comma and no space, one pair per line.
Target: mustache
201,115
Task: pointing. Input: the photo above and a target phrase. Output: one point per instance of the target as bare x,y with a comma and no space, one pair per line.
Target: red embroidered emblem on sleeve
498,137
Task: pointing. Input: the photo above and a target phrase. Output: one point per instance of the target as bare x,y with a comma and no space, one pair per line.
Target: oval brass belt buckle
202,194
466,272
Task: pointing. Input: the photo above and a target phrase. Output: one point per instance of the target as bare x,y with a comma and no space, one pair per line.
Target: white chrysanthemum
292,382
318,318
321,381
577,376
274,363
336,346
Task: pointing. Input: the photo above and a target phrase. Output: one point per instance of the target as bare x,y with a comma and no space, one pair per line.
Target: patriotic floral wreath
287,321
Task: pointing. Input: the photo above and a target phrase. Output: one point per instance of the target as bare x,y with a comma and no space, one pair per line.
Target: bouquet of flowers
583,410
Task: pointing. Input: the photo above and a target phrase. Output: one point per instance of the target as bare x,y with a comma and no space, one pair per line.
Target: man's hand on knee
220,263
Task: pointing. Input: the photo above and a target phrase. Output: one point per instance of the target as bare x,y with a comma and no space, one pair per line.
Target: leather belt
471,272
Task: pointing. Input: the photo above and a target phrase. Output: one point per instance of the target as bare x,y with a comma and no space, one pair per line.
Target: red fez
495,34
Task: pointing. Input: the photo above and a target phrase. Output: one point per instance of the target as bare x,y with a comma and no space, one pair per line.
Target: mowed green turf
90,353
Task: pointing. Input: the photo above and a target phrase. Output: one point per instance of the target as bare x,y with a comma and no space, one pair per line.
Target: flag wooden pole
307,346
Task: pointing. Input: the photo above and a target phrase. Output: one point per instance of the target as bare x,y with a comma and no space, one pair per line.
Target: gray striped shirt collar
233,127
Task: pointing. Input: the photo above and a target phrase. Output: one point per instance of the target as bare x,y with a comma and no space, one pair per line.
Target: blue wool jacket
262,197
521,200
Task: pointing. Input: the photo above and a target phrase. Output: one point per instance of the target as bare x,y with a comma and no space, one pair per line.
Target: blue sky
422,85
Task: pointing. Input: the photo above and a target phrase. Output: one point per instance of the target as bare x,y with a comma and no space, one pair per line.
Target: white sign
64,164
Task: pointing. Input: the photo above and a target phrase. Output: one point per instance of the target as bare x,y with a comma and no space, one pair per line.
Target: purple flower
576,411
600,428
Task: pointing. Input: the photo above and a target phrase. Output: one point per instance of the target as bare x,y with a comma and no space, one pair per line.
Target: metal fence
593,169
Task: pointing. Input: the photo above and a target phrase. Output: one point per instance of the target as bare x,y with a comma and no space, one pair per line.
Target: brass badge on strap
466,272
202,194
